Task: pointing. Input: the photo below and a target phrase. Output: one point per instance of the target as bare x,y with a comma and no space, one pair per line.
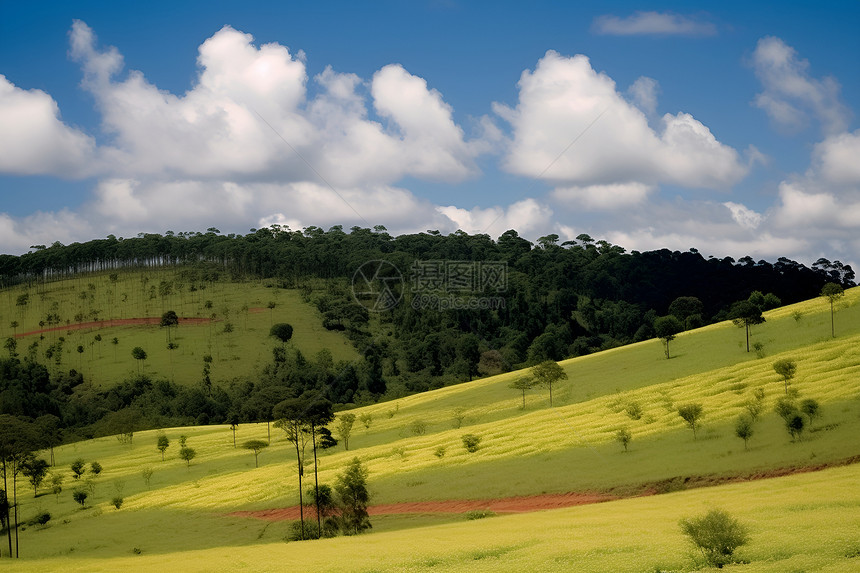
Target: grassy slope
234,354
567,448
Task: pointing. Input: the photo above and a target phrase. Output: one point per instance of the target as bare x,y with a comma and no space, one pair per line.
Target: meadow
180,517
230,321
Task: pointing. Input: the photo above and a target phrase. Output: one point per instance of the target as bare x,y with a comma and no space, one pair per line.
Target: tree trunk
301,469
316,481
8,522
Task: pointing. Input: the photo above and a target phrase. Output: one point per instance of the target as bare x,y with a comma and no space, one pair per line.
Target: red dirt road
519,504
151,321
522,504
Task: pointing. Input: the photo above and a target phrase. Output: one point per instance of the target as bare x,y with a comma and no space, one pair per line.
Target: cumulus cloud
528,216
34,140
837,159
792,96
653,24
571,127
247,117
643,93
598,197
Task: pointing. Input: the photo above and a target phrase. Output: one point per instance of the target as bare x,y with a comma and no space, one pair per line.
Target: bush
117,501
634,410
623,436
471,442
80,496
440,452
418,428
40,519
716,534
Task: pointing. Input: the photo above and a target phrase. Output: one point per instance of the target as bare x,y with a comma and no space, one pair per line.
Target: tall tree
745,314
548,373
344,427
291,417
666,328
169,319
17,440
319,413
832,292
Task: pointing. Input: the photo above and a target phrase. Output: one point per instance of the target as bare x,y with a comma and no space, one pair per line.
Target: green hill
228,320
180,519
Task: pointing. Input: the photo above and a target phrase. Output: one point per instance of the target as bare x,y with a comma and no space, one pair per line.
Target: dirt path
151,321
519,504
522,504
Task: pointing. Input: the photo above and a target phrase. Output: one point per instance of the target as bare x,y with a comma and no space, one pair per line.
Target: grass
801,522
89,298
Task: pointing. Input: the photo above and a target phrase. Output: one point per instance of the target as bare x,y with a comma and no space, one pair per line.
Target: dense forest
457,306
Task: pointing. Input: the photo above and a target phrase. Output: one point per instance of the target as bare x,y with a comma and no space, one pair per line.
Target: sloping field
106,318
180,519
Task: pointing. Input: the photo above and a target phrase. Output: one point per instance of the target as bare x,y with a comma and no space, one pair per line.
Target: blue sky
728,127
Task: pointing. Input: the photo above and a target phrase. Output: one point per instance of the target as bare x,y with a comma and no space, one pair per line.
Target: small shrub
744,429
811,408
136,551
95,468
117,501
418,428
717,535
471,442
40,519
634,410
795,426
759,349
146,474
479,514
623,437
78,468
440,452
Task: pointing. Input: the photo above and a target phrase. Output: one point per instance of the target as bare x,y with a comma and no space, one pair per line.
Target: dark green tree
691,413
785,368
522,384
717,535
832,292
352,490
162,444
687,309
169,319
138,354
744,429
745,314
546,374
666,328
344,427
256,446
282,331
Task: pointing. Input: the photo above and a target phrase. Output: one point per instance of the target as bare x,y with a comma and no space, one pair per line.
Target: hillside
181,515
108,314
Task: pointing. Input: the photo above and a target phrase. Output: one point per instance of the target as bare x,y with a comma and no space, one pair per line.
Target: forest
551,301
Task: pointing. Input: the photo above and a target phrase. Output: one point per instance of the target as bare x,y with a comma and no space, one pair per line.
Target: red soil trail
523,504
519,504
146,321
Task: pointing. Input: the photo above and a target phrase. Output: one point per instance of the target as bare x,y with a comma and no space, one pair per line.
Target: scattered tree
78,468
666,328
234,425
351,488
57,485
744,429
785,368
795,426
344,427
623,436
95,468
746,314
282,331
80,496
366,419
138,354
162,444
146,474
832,292
257,446
35,469
548,373
811,408
458,417
187,454
691,413
717,535
169,319
522,384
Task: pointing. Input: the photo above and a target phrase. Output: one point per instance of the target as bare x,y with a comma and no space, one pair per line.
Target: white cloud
643,92
791,95
838,158
527,217
743,216
653,23
573,128
248,118
610,196
34,140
